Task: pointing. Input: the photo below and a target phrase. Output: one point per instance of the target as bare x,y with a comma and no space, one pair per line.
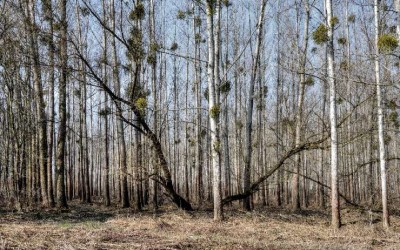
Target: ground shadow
75,214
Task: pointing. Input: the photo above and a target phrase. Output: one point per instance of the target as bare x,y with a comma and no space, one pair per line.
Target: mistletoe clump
387,42
141,105
214,111
138,13
320,35
309,81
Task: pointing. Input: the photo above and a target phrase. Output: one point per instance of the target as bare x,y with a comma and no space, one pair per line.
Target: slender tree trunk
249,118
371,191
83,145
382,153
278,111
333,121
299,115
40,104
61,195
198,98
321,164
225,126
214,110
153,63
48,12
120,125
188,143
397,8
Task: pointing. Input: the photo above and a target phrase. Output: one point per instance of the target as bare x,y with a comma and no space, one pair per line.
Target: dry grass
94,227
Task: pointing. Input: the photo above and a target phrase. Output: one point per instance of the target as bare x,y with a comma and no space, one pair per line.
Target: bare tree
382,153
48,13
62,108
214,107
249,118
40,104
333,120
300,103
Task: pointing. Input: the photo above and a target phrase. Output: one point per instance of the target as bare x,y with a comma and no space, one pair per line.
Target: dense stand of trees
141,103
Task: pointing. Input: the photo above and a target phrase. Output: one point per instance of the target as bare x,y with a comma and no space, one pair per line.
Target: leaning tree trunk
140,123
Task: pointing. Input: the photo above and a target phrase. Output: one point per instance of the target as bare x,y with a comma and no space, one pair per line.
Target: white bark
214,113
333,121
382,157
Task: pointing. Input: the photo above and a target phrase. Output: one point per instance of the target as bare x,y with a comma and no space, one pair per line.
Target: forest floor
96,227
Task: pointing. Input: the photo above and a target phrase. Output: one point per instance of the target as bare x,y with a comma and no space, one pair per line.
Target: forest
199,124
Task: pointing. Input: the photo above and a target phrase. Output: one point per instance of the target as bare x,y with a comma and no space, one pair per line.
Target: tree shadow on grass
75,214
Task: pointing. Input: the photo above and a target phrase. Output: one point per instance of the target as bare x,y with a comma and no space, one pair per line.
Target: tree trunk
48,12
214,109
249,118
333,121
120,125
40,104
382,153
153,63
397,9
62,134
83,145
299,115
198,98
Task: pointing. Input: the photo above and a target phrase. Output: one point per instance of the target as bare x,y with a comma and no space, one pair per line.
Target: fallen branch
255,186
348,201
360,166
